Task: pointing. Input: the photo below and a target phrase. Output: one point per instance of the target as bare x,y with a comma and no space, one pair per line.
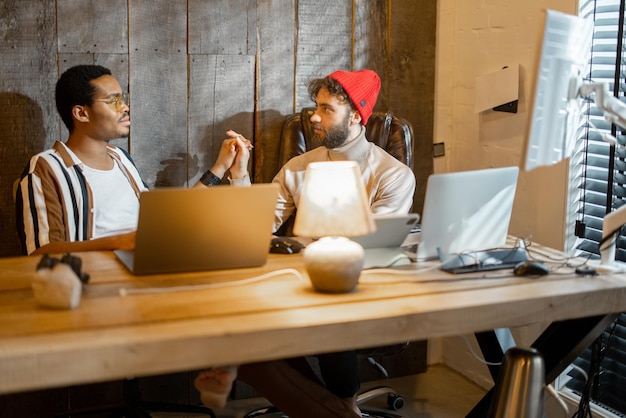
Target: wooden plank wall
195,68
28,71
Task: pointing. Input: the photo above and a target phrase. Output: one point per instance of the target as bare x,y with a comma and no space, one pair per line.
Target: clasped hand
234,156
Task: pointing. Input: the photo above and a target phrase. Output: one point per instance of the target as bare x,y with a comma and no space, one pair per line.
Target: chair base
394,400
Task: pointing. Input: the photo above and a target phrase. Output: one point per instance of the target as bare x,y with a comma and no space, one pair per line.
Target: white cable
482,360
580,370
398,272
131,291
421,280
559,400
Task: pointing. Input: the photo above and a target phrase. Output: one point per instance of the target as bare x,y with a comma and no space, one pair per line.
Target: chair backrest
391,133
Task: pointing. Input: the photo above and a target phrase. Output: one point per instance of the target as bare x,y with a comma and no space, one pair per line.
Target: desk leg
493,345
492,351
562,342
559,345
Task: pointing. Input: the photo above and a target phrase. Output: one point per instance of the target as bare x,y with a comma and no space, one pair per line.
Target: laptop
181,230
466,212
384,247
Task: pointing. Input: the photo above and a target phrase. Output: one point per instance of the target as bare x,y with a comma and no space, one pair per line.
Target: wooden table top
194,320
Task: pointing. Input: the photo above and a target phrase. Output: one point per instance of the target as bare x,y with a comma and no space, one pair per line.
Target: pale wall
477,37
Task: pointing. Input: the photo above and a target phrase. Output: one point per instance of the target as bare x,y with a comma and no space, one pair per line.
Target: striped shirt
54,201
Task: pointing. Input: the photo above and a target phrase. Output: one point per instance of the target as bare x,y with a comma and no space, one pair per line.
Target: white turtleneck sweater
389,183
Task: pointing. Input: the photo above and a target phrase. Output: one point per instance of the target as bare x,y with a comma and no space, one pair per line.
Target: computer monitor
555,106
564,53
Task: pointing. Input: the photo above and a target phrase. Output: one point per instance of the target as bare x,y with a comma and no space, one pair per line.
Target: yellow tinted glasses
116,102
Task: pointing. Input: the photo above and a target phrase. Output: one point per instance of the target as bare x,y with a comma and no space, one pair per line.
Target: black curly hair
74,88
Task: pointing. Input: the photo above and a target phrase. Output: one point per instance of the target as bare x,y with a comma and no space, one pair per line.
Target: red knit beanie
362,86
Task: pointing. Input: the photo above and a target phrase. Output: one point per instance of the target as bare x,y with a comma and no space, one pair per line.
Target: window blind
599,172
599,168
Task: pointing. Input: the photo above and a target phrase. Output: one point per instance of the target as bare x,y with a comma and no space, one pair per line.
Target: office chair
394,135
391,133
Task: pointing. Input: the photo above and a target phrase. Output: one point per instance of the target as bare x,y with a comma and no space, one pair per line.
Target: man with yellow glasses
83,194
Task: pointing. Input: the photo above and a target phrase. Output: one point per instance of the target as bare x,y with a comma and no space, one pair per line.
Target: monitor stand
611,226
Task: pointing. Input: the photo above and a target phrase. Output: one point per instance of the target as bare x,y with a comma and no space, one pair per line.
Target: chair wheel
394,401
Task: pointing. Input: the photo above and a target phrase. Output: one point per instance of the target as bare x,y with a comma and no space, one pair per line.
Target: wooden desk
112,337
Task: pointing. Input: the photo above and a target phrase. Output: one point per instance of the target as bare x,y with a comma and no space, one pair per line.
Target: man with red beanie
344,102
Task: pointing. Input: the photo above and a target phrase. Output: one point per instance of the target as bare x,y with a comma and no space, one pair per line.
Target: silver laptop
383,248
466,211
197,229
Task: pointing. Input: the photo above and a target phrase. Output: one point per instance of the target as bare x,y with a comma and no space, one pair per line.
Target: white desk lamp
333,205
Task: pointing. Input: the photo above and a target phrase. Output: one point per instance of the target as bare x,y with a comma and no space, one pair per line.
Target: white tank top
115,203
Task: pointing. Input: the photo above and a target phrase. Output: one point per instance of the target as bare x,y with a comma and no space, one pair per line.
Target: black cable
584,405
599,349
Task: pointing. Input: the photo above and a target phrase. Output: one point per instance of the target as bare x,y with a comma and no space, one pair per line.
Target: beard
335,136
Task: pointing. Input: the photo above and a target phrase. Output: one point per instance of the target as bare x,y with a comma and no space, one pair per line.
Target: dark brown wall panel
275,81
28,123
411,81
93,26
324,42
196,68
221,97
158,87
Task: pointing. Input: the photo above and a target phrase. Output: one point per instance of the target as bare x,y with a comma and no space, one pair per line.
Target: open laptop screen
391,231
467,211
202,229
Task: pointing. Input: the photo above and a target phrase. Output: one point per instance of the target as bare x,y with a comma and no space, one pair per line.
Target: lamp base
334,264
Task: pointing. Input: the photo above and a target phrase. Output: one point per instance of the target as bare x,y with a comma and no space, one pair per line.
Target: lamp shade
333,202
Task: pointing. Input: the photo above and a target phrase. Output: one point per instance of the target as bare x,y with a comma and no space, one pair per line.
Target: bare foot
214,385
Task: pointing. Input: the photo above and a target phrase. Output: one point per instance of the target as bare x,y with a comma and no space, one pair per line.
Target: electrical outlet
439,149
